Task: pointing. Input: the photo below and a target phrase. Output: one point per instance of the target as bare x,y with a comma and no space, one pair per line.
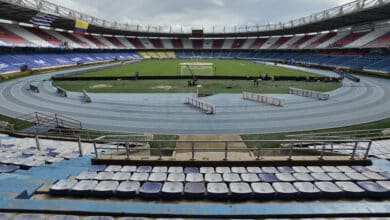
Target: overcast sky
198,13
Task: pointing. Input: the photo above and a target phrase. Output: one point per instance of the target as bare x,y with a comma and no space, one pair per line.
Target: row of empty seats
13,35
223,182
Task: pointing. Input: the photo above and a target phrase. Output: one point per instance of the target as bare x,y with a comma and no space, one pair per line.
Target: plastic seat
129,169
386,175
239,170
172,189
223,170
329,189
176,177
360,169
285,169
254,170
194,177
285,177
139,177
321,177
127,189
120,176
29,217
231,177
269,170
144,169
8,168
300,169
385,184
98,218
105,188
205,170
268,177
194,190
64,217
157,177
160,169
357,176
97,168
62,187
191,170
240,190
339,177
305,177
285,190
217,190
213,177
150,190
263,190
307,190
175,170
330,169
345,169
315,169
373,175
351,189
84,187
6,216
113,168
373,189
86,175
104,176
250,177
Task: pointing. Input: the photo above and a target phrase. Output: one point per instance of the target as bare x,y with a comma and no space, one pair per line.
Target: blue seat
373,189
105,188
84,187
360,169
217,190
374,176
223,170
29,217
385,184
97,168
176,177
351,189
254,170
339,177
263,190
285,169
120,176
194,177
268,177
205,170
139,177
269,170
329,189
285,177
127,189
191,170
213,177
194,190
285,190
250,177
144,169
175,170
129,169
150,190
172,189
157,177
321,177
8,168
307,190
113,168
240,190
63,217
386,175
305,177
62,187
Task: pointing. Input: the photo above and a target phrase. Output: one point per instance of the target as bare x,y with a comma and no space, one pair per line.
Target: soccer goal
196,69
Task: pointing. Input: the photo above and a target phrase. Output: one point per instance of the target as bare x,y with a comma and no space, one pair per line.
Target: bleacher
137,43
177,43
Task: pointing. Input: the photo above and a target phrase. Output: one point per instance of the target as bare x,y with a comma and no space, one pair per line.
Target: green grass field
170,68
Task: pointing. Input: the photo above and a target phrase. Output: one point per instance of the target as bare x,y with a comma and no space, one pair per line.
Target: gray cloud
198,13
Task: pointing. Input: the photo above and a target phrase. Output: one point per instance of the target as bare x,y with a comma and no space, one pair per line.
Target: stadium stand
238,43
198,44
13,39
218,43
348,39
137,43
93,39
177,43
280,42
46,37
157,43
382,41
117,44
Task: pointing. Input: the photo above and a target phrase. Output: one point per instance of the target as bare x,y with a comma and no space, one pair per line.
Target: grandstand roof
357,12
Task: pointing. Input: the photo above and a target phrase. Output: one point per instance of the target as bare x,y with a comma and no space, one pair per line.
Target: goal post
196,69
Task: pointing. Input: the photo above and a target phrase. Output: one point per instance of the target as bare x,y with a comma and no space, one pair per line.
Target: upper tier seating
217,44
301,41
280,42
52,40
157,43
177,43
13,39
238,43
115,42
383,41
348,39
74,39
258,43
198,44
94,40
137,43
321,40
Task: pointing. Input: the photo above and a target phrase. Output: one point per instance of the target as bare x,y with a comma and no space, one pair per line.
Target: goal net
197,69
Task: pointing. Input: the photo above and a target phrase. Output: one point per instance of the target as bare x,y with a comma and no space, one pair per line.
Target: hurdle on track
263,99
208,108
308,93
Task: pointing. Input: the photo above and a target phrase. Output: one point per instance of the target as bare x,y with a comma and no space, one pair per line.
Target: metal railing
355,134
287,148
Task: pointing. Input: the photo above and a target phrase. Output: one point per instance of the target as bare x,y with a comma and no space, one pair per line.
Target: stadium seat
127,189
307,190
150,190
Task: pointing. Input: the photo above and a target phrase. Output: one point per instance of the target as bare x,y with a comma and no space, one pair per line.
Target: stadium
103,119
